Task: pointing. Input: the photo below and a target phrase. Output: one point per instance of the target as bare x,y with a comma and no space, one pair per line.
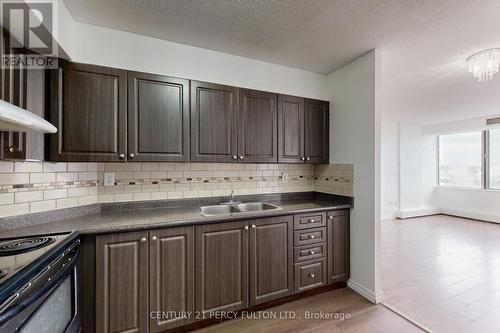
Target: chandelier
483,65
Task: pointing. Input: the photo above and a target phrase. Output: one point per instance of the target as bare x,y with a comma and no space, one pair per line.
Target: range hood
16,119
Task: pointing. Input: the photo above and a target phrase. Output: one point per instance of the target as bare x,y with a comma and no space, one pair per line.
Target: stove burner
24,245
3,273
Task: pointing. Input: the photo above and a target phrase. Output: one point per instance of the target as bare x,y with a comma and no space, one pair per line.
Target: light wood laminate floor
443,272
364,317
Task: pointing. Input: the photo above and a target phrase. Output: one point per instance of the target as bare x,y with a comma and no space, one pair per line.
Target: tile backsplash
29,187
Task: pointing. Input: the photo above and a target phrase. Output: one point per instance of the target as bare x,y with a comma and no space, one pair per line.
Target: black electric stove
36,274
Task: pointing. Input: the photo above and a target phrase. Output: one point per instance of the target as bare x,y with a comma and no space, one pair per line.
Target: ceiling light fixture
483,65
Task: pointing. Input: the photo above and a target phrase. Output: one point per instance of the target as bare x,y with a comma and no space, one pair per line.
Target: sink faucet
231,200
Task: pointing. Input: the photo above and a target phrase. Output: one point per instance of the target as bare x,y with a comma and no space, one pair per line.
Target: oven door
49,303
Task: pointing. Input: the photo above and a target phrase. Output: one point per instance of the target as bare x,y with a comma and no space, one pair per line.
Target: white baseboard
405,214
365,292
471,215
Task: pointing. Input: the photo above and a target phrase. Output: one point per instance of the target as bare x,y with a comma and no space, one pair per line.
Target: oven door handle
53,282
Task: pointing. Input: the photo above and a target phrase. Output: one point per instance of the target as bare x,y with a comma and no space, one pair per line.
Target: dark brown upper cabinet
257,127
291,129
271,259
25,88
303,129
158,118
221,267
316,131
213,122
89,109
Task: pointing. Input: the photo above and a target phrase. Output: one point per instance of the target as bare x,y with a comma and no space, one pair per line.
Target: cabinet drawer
309,221
309,275
309,236
309,252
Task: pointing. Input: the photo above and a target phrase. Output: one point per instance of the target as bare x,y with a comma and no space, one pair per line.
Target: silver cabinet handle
131,155
311,236
311,252
154,238
308,159
122,156
143,239
11,149
235,157
330,217
311,275
242,157
303,158
246,227
311,221
253,226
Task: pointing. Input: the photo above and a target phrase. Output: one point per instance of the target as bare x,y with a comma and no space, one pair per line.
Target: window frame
484,165
485,162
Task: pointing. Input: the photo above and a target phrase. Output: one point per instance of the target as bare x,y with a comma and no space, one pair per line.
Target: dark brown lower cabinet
338,245
171,277
271,259
122,283
221,267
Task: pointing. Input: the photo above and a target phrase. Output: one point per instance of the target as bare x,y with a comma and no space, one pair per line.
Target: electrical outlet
284,177
109,179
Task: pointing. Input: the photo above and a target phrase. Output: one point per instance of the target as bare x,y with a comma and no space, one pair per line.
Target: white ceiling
424,43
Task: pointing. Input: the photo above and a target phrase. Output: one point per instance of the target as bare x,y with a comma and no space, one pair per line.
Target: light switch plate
284,177
109,179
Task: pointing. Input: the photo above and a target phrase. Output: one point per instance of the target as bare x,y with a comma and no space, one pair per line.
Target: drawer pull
311,221
312,252
311,275
311,236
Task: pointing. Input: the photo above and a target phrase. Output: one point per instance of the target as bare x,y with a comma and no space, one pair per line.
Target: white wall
471,203
355,138
418,171
108,47
389,177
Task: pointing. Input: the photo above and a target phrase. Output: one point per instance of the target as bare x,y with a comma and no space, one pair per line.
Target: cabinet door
122,283
257,127
89,109
316,131
222,267
271,259
171,277
338,246
158,118
290,129
213,122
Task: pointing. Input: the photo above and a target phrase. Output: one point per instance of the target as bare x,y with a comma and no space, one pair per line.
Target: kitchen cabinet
257,127
290,129
221,267
139,273
89,109
122,283
25,88
338,245
171,276
158,118
213,122
316,131
303,129
271,259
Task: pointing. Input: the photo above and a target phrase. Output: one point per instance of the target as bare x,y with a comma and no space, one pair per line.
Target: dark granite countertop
134,216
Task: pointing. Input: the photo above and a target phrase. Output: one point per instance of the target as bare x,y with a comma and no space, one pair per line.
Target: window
460,160
494,159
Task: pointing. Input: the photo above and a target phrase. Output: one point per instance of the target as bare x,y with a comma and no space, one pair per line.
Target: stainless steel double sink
237,208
